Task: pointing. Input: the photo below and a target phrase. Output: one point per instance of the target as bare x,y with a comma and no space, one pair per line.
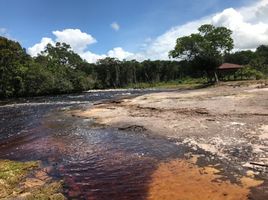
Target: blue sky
140,21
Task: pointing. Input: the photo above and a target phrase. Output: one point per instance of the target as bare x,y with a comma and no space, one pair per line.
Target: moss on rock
15,182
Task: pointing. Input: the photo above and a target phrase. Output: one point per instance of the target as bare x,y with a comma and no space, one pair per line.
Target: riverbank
26,180
229,121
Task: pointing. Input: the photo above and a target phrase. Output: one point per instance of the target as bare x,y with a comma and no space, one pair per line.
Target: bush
249,72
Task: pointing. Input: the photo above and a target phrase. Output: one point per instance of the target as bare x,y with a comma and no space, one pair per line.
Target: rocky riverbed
229,121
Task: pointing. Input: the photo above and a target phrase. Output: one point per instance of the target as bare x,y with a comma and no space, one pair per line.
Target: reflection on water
99,163
102,164
94,163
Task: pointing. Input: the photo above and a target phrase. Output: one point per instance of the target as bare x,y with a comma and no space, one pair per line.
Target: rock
58,196
42,176
52,188
33,182
48,169
3,192
40,197
24,196
133,128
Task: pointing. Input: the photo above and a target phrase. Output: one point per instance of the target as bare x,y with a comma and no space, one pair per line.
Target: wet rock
42,175
134,128
52,188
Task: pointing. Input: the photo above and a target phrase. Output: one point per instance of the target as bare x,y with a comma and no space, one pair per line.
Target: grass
12,172
13,176
191,83
176,84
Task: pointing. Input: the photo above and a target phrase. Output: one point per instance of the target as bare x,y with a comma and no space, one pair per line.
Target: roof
230,66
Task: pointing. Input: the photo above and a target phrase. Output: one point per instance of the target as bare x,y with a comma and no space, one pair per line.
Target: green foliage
11,172
18,181
187,82
56,70
12,61
60,70
258,61
240,57
112,73
206,48
249,72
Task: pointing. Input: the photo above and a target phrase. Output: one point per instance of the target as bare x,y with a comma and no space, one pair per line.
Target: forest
59,70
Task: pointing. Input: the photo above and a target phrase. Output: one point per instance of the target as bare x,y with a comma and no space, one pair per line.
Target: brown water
96,163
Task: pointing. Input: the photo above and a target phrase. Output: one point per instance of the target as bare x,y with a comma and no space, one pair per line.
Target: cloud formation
119,53
39,47
115,26
78,40
249,25
91,57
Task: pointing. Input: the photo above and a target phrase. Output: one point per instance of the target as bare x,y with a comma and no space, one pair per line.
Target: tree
108,72
261,61
240,57
68,68
13,60
205,49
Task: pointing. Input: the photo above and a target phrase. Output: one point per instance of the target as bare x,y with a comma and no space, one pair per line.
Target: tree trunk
216,77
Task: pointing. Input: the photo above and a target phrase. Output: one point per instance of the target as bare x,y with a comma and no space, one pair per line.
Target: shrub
249,72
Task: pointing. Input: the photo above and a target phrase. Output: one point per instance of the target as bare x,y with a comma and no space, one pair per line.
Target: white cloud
37,48
249,26
119,53
91,57
160,47
115,26
246,35
78,40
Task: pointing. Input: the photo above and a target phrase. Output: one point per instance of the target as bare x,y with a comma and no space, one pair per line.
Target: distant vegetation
205,49
60,70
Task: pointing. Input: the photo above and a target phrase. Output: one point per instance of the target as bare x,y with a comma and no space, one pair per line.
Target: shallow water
100,163
94,163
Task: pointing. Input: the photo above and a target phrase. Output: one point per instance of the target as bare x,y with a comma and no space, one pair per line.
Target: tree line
59,70
212,46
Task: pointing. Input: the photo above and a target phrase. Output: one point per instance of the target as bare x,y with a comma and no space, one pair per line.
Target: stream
95,163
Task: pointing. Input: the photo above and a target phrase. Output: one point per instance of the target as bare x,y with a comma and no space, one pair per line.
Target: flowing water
95,163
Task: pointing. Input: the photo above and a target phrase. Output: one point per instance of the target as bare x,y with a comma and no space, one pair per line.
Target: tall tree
13,60
205,49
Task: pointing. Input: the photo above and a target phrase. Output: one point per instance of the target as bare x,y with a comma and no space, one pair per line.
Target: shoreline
228,121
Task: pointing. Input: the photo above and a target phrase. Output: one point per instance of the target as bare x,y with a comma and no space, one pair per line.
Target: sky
128,29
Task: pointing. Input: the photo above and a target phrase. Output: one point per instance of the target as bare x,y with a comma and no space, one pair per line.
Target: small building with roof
226,70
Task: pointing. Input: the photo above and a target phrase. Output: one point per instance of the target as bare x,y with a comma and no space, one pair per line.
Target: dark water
94,163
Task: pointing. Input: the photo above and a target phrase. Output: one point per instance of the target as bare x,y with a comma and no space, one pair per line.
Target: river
95,163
